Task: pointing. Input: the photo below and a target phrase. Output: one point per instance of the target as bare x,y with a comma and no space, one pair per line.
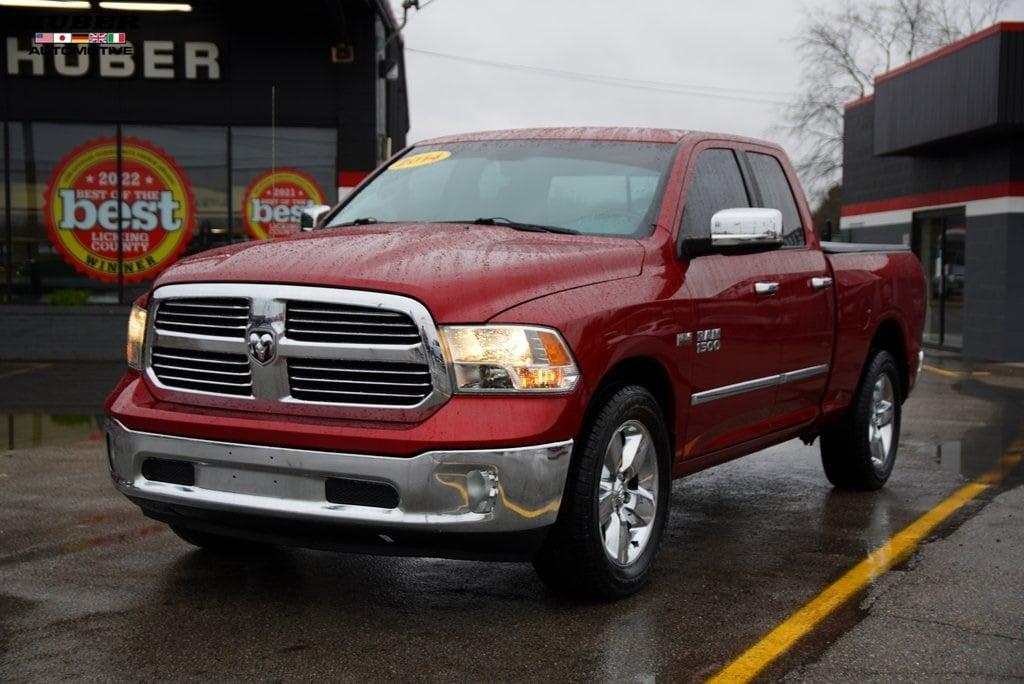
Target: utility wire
758,96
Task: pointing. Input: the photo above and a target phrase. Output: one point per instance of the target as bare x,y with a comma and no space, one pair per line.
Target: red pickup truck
507,344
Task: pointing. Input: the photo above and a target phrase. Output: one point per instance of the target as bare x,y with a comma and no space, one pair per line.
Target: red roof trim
974,192
1006,26
859,101
1001,27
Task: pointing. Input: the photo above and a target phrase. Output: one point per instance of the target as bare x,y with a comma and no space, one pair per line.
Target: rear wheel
615,502
860,452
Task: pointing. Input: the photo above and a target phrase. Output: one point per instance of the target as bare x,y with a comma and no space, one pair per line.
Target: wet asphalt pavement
90,589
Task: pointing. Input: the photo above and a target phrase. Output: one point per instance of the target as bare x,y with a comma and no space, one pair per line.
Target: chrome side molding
756,384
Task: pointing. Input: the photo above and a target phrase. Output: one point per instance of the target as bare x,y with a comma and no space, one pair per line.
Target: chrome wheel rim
627,498
882,423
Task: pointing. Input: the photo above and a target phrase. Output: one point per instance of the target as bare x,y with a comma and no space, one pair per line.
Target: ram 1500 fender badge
262,346
709,340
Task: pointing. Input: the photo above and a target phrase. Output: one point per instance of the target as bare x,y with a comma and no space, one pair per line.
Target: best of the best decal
157,209
272,204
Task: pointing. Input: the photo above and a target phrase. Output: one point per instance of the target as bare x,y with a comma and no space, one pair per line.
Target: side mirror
311,216
746,227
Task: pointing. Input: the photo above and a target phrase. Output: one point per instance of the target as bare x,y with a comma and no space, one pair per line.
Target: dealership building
212,125
934,159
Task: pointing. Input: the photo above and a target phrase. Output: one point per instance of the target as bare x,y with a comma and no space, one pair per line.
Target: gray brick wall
993,293
952,165
53,333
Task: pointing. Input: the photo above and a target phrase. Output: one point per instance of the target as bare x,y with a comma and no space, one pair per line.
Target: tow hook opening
169,471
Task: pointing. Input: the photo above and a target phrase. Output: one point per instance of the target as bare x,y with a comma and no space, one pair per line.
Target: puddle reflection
983,448
31,430
53,404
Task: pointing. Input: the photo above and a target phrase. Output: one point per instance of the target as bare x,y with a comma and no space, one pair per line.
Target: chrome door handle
821,283
766,289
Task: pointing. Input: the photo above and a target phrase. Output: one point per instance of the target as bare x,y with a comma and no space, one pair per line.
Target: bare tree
843,49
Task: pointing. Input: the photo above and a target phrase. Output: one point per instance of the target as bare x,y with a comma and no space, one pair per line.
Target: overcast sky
737,50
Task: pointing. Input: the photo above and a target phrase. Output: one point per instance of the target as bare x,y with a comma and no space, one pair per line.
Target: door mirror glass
746,227
311,216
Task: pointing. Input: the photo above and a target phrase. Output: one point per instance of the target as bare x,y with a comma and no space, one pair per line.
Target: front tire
615,501
859,453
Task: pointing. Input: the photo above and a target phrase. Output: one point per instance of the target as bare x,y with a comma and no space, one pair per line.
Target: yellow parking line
28,368
881,560
952,373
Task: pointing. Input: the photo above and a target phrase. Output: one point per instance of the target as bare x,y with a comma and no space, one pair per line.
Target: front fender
608,323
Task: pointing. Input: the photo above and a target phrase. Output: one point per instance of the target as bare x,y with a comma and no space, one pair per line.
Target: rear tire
859,453
615,502
216,543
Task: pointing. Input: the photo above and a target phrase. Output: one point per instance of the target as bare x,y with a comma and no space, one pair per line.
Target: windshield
597,188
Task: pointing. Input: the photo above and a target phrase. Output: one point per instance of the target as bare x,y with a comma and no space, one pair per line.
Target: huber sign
272,204
157,209
150,59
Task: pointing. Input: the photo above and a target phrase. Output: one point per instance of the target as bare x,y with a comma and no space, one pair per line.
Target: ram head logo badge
262,346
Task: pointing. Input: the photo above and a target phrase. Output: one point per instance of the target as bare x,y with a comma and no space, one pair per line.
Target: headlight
136,336
508,358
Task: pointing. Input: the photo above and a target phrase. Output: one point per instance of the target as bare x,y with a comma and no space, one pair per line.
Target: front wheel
615,502
859,453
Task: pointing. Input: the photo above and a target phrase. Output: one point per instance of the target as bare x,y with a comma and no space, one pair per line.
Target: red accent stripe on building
975,192
350,179
1001,27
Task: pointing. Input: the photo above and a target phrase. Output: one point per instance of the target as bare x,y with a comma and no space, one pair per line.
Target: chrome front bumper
486,490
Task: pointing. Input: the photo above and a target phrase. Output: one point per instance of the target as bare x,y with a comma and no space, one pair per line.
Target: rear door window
717,184
776,194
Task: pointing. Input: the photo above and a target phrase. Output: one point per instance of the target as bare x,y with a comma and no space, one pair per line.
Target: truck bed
878,288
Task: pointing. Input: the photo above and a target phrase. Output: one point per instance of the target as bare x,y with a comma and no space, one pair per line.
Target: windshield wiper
519,225
364,221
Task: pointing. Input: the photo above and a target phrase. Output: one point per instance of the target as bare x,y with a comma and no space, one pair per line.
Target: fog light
482,488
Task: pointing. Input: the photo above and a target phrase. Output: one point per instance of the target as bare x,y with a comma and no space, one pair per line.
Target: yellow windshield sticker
421,159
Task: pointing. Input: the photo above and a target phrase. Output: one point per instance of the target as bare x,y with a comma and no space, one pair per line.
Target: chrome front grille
367,382
203,371
325,322
217,316
334,352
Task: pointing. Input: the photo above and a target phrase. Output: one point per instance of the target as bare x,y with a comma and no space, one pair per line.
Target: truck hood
462,273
